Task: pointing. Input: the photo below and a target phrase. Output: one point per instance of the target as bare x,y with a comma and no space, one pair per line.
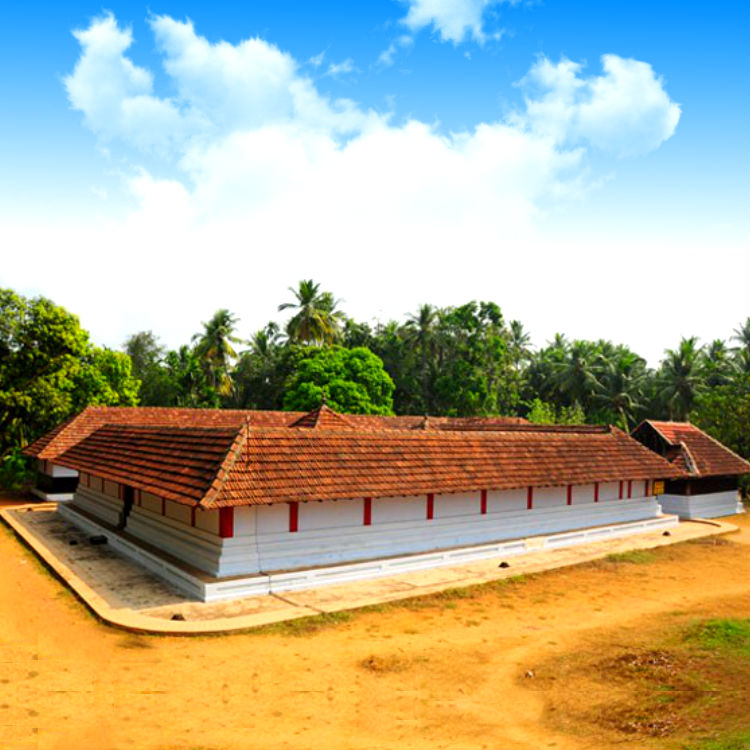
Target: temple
226,503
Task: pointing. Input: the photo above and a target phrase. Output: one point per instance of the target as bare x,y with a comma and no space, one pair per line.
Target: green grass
739,741
722,635
635,556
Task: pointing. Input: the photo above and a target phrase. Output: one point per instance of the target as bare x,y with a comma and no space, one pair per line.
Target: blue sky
484,150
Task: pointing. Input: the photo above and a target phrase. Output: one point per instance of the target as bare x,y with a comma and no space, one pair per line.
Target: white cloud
220,88
387,56
625,110
342,68
454,20
271,182
317,60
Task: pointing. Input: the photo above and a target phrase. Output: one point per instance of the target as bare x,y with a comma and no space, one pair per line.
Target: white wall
710,505
61,471
334,532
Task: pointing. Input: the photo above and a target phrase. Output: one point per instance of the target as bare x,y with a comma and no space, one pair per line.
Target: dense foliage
48,371
461,361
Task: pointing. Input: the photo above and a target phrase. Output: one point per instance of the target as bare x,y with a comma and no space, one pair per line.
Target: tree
724,413
420,332
214,349
621,383
316,322
680,378
541,412
188,383
716,364
49,369
147,358
575,375
352,381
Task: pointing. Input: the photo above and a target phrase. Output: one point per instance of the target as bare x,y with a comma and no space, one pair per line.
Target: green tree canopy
352,381
49,369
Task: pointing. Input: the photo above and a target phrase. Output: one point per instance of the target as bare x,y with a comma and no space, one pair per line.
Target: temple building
709,487
226,503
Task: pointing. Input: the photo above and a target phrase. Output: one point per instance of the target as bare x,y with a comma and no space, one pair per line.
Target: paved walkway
124,594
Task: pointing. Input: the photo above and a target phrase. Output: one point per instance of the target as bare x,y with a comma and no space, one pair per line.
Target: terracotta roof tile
247,465
691,448
178,463
323,417
76,428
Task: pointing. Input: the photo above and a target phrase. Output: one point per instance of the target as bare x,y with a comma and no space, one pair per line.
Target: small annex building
709,487
228,503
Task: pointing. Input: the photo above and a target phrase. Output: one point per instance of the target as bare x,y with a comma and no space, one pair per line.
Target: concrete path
124,594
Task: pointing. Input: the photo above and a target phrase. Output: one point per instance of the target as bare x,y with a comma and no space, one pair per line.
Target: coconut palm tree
420,333
575,375
214,349
518,344
681,378
622,381
742,352
316,321
716,364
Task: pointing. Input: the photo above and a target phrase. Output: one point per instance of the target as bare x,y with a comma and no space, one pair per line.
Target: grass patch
722,635
633,556
304,625
734,741
686,688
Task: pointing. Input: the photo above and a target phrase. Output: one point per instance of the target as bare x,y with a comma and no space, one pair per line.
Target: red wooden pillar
596,492
293,517
620,495
570,494
430,506
192,515
483,502
226,522
646,489
529,498
630,488
367,512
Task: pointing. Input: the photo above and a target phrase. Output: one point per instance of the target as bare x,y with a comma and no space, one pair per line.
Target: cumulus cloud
625,110
220,88
454,20
277,178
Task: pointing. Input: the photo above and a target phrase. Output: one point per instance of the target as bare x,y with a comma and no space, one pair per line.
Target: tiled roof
76,428
250,465
177,463
287,465
690,447
323,418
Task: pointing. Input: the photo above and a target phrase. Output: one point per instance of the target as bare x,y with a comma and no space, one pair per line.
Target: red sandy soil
442,672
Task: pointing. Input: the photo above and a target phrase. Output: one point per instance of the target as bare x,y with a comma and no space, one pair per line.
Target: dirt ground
448,671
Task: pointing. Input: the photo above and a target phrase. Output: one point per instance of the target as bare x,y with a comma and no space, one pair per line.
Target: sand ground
443,672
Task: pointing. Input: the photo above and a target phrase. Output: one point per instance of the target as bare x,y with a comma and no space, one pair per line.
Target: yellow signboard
658,488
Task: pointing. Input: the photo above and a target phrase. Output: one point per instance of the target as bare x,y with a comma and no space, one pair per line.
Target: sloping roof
695,451
247,465
323,417
75,429
177,463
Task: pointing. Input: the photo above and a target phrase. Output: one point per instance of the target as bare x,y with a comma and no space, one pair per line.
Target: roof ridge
233,453
312,418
